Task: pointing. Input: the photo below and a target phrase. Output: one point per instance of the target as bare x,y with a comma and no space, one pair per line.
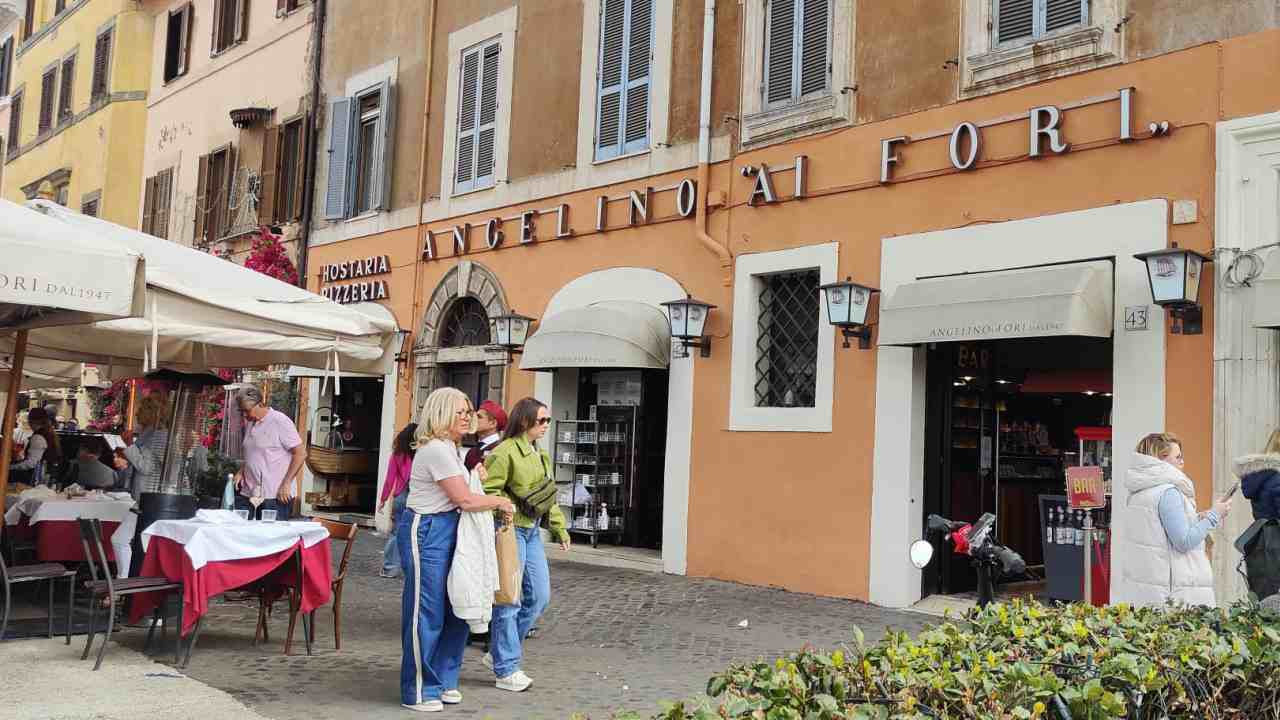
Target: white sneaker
451,697
426,706
515,682
487,660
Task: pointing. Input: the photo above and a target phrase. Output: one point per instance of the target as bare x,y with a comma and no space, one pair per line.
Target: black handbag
1260,547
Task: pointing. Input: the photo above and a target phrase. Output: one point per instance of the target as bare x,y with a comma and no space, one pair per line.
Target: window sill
172,80
363,216
1081,49
616,158
225,50
473,191
783,122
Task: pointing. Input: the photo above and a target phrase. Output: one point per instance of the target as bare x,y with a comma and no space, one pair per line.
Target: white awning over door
1073,299
613,334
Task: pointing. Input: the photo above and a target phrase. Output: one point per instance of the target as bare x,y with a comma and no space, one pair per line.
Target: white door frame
1117,231
650,287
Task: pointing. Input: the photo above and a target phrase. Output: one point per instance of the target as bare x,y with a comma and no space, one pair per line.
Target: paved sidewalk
613,639
46,680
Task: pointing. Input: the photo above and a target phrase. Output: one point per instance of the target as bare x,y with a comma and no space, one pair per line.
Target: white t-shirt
433,462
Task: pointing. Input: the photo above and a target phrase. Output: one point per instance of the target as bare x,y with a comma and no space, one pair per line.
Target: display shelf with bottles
599,454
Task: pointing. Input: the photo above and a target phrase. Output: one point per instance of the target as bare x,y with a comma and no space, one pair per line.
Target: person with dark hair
88,469
396,489
43,446
491,421
518,469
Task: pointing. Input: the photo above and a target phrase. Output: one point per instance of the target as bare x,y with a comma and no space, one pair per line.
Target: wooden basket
327,461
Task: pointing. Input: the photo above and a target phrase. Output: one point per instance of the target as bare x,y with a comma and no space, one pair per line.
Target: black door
470,378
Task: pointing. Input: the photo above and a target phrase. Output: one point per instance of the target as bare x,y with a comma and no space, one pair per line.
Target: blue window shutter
487,115
465,147
635,111
779,53
383,158
336,192
814,47
611,78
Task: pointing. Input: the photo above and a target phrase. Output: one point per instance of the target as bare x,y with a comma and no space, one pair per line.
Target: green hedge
1022,661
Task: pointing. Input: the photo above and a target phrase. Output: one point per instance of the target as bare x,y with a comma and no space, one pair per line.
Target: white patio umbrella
201,311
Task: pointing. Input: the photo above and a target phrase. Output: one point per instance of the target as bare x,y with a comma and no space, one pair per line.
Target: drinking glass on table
268,516
244,514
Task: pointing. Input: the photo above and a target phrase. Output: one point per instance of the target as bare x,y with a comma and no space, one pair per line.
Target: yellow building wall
102,145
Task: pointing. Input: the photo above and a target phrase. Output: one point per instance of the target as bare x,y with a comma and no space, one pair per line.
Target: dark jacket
1260,483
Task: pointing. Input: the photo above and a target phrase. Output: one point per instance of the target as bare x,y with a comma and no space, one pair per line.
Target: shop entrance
1002,422
343,445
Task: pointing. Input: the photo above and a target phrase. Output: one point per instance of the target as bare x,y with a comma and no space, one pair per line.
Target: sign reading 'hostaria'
1045,137
364,291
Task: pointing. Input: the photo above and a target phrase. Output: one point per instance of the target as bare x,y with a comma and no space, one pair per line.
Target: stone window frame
987,67
763,126
466,279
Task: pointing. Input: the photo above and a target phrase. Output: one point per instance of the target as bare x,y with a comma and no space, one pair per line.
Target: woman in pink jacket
396,486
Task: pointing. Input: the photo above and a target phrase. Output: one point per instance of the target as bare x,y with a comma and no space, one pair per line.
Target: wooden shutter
202,197
242,20
1015,20
219,8
300,171
465,149
29,20
382,153
270,174
814,46
48,89
487,129
102,65
1064,13
15,122
184,40
623,72
229,189
635,112
164,193
6,65
282,7
339,172
779,55
65,106
149,206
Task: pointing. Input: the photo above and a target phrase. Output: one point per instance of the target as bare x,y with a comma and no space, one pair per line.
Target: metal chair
115,589
52,572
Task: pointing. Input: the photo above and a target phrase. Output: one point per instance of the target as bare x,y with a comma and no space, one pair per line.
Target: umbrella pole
11,411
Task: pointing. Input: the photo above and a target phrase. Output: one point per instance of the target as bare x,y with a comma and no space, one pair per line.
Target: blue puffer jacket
1260,483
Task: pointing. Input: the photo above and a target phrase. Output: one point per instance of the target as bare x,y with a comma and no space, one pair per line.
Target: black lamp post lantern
1174,274
688,318
847,305
510,331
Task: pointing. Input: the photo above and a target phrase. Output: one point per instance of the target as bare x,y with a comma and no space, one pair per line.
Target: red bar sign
1085,489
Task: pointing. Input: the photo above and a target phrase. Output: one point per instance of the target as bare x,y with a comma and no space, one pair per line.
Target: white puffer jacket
1153,572
474,576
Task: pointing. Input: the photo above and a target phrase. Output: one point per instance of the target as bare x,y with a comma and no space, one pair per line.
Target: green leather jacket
515,468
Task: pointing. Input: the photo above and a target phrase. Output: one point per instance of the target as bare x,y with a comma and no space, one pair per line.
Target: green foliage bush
1024,661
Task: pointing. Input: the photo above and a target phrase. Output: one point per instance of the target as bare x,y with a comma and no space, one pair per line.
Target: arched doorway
453,348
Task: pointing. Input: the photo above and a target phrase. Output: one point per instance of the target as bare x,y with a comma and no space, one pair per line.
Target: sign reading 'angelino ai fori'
355,292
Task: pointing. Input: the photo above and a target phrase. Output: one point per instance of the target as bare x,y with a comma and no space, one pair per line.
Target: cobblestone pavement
612,640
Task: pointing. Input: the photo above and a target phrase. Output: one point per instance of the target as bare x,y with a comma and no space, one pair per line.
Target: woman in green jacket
520,470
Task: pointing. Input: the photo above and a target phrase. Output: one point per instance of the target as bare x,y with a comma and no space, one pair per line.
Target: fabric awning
54,275
614,334
1074,299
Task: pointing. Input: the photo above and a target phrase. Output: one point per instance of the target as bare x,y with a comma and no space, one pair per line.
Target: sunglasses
544,421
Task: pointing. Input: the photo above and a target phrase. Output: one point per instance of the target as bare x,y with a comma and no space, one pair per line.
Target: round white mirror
921,553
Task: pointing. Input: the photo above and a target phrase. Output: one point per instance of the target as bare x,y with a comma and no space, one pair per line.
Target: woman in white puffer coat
1163,539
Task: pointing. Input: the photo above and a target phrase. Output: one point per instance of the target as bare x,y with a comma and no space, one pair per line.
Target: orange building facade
781,457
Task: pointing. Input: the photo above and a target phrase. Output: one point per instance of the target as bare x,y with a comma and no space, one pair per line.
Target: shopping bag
382,520
510,569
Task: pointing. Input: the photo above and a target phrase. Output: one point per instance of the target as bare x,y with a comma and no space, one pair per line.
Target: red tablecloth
59,540
166,558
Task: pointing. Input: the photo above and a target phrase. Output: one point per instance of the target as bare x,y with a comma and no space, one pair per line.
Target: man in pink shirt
273,456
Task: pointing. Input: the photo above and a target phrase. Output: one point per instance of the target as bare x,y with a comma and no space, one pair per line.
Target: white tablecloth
60,510
206,542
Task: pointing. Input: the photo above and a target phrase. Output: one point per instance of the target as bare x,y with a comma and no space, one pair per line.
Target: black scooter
991,559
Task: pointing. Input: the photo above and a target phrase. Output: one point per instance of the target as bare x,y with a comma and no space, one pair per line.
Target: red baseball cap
496,412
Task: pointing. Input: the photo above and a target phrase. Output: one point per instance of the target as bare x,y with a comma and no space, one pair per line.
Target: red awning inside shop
1054,382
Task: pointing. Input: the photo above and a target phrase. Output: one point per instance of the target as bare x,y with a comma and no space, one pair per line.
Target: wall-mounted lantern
847,305
510,331
1174,274
688,318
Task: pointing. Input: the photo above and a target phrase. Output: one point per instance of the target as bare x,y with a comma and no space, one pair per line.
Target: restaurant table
54,521
212,556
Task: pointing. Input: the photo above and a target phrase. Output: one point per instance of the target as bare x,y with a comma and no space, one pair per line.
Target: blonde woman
433,637
1163,541
144,454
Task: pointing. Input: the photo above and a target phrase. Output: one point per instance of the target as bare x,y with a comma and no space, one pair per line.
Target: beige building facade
227,122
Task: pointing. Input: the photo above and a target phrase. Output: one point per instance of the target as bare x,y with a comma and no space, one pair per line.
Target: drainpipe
313,143
704,144
416,306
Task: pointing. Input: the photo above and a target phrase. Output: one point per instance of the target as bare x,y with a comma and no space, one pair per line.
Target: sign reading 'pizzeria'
364,291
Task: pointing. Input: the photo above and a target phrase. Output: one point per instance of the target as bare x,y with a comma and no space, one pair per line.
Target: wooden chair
346,532
113,589
50,572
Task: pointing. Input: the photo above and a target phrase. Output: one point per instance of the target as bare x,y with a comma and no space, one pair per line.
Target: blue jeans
511,623
432,637
391,551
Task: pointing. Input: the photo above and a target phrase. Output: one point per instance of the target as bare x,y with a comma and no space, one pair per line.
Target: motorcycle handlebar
939,524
